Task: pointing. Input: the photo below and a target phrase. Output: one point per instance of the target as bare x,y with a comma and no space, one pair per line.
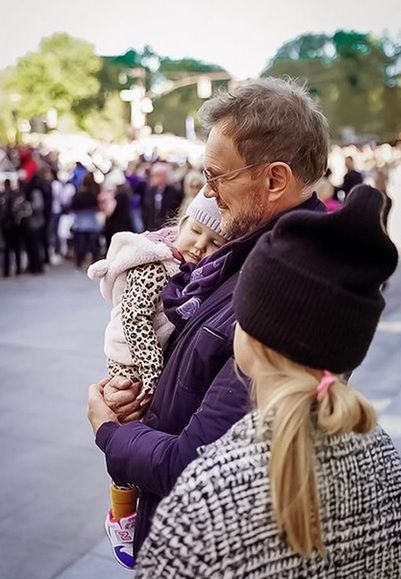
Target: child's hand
121,396
120,391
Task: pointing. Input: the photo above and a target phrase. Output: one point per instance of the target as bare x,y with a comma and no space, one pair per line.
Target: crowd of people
48,213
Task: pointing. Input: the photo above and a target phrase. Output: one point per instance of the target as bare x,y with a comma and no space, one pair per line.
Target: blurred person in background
325,191
78,174
14,211
351,178
34,224
162,200
116,200
41,183
193,182
138,187
56,212
28,164
86,227
66,221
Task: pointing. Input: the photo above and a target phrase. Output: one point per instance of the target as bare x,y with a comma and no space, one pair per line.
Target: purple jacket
198,398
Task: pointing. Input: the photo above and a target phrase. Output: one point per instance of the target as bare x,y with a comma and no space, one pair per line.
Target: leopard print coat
139,304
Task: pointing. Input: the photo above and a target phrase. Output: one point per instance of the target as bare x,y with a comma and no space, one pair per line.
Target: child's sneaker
121,535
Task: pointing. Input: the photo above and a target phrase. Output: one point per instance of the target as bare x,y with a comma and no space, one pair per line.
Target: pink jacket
127,251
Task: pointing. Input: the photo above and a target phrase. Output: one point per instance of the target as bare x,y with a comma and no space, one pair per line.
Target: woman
86,227
307,485
193,182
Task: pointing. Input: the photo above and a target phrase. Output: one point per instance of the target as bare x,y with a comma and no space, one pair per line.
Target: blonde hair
287,394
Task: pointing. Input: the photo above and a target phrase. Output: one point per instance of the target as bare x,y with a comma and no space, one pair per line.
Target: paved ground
53,492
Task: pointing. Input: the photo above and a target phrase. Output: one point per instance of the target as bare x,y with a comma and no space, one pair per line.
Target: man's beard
247,220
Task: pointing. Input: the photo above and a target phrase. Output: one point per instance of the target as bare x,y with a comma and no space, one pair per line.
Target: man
161,201
266,148
351,178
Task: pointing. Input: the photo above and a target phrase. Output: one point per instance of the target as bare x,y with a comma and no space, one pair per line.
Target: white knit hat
206,211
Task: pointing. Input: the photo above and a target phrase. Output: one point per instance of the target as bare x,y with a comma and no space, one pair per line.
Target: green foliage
7,122
109,122
171,109
60,75
353,75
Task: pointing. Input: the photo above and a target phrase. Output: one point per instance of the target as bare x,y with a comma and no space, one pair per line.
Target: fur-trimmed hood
128,250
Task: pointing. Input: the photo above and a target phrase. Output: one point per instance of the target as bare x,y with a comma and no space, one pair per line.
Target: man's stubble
257,211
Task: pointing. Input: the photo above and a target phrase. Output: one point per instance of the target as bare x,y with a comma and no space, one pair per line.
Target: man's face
242,200
158,177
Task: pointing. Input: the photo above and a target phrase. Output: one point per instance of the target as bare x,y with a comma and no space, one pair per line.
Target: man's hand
121,396
98,411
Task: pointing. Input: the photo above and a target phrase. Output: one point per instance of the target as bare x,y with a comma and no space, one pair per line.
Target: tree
61,75
171,109
352,74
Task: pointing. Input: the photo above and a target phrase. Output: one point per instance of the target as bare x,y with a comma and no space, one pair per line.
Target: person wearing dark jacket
161,201
351,178
86,227
267,146
120,218
14,211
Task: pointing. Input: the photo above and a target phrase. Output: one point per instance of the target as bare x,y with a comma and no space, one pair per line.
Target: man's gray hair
273,120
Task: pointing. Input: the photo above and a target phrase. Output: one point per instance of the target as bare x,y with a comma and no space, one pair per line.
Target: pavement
54,487
53,491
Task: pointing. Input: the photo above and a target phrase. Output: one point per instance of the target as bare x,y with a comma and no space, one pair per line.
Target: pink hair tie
323,387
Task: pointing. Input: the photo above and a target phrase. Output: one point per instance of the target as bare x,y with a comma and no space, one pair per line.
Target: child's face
196,241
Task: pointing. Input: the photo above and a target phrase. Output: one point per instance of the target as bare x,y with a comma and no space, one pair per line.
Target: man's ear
278,176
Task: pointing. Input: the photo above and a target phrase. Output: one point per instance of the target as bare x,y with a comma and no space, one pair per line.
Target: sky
240,35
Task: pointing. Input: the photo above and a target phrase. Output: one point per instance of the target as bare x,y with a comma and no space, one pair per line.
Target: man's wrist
104,433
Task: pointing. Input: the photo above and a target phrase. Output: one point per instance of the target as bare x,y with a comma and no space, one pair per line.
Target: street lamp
141,105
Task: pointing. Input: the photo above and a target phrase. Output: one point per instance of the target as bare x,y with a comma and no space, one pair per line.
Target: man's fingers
93,391
103,382
130,417
127,409
144,400
120,400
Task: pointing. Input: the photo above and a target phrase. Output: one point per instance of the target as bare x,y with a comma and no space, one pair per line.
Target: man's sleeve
153,460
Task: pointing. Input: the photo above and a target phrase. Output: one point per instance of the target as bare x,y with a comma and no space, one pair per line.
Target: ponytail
288,392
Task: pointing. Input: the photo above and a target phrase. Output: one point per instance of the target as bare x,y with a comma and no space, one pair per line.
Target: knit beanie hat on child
206,211
310,289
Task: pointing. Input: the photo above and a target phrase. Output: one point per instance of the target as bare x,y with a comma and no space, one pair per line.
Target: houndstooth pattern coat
218,521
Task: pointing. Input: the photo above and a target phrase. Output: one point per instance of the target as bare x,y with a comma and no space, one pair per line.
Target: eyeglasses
213,182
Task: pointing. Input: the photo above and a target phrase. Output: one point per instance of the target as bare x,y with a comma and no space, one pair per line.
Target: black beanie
310,289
